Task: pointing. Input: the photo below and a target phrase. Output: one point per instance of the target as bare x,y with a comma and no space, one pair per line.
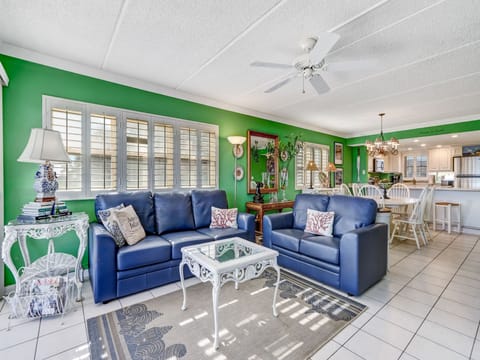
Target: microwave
378,165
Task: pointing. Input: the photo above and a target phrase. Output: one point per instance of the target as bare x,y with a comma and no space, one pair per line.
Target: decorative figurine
258,198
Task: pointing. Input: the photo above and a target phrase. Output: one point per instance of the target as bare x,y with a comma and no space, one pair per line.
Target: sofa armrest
247,222
363,258
102,263
275,221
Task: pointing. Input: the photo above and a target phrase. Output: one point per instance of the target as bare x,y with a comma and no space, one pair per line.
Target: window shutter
316,152
188,158
69,124
163,156
103,152
137,154
208,158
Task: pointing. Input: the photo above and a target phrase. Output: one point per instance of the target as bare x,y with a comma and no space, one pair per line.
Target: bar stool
446,207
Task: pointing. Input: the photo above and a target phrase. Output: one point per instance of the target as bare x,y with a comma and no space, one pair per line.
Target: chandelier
380,146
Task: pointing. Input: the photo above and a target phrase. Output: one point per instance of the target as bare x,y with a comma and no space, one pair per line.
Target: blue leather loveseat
352,260
171,221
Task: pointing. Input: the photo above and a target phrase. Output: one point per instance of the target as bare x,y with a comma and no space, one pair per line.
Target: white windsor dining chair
345,190
373,192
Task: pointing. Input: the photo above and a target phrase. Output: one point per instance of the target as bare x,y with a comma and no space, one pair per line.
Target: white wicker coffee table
233,259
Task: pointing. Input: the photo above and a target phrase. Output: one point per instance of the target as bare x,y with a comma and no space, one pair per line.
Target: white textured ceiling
426,54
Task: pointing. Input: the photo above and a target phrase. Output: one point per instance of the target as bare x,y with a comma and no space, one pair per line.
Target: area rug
309,315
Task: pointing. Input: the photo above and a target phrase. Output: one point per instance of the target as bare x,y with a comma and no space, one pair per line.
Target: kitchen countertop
440,188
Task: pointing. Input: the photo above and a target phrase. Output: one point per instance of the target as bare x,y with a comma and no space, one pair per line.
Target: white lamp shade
236,140
44,145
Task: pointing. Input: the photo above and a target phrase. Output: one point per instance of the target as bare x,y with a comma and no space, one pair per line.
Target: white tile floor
427,307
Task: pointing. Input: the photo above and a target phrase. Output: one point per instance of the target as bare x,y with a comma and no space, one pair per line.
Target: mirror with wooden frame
262,158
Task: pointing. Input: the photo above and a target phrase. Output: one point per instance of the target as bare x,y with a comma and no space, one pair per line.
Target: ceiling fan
310,65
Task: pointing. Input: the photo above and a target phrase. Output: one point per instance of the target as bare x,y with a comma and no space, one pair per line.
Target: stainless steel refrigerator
467,172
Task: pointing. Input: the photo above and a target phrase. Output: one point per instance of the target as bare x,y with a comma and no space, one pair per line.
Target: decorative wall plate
284,156
239,173
238,151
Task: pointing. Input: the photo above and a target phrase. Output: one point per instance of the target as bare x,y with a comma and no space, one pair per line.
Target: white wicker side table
53,263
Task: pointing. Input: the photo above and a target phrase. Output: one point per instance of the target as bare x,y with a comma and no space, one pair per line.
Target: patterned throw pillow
111,224
130,225
319,222
223,218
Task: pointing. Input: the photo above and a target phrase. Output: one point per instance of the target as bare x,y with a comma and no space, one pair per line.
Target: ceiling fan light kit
309,65
380,146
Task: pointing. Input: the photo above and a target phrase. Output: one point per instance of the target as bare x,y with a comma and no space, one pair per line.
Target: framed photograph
338,177
338,153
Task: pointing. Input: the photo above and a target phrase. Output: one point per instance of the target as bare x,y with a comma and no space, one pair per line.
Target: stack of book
38,210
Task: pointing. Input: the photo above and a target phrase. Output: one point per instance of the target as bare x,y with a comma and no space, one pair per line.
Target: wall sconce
43,146
237,142
311,166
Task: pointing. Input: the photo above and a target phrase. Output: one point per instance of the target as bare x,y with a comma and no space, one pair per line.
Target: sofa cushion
224,218
202,202
129,224
184,238
111,224
288,238
351,213
324,248
142,202
303,202
218,234
173,212
151,250
320,222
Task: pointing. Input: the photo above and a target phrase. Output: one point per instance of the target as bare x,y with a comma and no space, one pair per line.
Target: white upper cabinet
440,159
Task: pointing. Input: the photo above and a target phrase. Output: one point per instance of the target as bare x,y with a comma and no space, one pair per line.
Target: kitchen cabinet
440,159
392,163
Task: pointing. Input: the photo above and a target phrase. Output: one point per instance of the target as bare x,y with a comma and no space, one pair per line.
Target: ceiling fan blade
270,65
324,44
350,65
281,83
319,84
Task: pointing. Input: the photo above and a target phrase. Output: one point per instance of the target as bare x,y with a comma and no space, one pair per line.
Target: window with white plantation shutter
188,157
137,154
103,152
69,124
316,152
163,156
114,149
208,159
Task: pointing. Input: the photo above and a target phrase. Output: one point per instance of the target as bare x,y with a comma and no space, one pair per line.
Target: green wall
22,107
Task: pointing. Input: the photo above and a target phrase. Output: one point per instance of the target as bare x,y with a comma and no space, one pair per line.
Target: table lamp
237,142
311,166
44,145
330,168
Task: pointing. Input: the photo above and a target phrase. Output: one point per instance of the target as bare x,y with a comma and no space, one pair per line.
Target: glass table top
224,251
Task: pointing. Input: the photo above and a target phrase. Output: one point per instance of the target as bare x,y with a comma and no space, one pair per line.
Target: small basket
43,296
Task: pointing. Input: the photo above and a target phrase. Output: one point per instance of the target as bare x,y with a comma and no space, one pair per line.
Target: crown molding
98,73
419,125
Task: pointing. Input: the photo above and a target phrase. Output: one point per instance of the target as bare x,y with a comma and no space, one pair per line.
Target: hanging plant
290,147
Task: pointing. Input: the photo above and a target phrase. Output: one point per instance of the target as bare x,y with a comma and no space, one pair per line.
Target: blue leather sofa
352,260
171,221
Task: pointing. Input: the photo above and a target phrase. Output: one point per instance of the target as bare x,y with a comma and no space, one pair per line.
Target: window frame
415,155
86,109
306,174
